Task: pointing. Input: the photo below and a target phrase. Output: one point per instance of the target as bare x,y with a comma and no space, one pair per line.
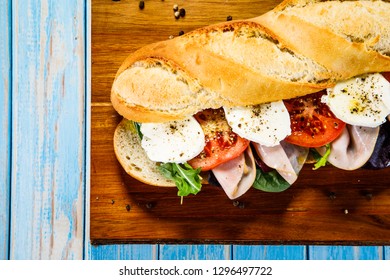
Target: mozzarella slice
266,124
175,141
363,100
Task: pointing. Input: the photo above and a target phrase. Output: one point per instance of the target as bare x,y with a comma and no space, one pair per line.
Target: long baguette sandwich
247,103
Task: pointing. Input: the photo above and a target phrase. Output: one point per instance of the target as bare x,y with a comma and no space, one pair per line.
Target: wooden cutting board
326,206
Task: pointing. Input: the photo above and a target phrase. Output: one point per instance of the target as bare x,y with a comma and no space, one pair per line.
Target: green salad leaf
134,128
138,129
321,160
186,178
270,181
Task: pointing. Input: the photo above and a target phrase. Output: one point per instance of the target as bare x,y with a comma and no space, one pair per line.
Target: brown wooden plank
326,206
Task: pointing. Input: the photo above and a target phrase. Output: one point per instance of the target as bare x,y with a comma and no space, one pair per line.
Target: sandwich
248,103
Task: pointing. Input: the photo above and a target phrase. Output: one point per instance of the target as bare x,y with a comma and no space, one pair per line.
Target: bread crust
176,78
329,48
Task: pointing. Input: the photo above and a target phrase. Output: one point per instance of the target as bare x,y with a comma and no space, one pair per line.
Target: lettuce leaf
134,127
321,160
270,181
186,178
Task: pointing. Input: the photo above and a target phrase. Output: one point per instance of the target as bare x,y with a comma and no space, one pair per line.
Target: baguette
300,47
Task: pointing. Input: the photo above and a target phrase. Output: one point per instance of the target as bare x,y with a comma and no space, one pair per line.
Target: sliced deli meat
236,176
353,148
287,159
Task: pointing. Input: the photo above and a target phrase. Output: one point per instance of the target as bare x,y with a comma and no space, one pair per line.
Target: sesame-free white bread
300,47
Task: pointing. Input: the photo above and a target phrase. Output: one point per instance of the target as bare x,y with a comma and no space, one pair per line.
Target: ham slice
353,148
287,159
237,175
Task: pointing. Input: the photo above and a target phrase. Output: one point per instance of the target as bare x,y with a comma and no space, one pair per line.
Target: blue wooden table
44,147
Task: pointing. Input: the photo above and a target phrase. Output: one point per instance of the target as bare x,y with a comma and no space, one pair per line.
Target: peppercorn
182,12
181,32
149,205
175,7
177,14
141,5
332,195
229,18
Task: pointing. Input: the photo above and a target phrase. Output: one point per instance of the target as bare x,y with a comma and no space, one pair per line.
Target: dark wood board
326,206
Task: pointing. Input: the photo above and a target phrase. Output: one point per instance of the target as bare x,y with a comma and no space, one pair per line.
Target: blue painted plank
5,120
123,252
345,252
386,253
48,100
269,252
195,252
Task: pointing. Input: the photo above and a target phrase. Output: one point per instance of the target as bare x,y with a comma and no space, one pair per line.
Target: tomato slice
312,122
222,144
386,75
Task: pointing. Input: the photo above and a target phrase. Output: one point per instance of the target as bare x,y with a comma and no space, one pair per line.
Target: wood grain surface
327,206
